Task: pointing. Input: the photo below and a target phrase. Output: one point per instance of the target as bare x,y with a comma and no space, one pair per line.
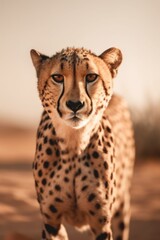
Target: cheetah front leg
102,232
121,220
54,232
100,225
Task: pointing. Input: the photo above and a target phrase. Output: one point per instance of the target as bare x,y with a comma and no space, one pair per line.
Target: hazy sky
48,26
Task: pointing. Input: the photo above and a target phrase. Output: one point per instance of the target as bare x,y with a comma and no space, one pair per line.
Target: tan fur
85,146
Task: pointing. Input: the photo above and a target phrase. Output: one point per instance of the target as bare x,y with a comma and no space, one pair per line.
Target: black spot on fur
44,181
49,151
111,176
96,173
66,179
55,163
58,200
111,139
87,164
57,153
97,206
91,197
93,230
95,154
84,188
59,216
40,173
108,129
46,215
43,235
67,171
121,226
35,166
40,147
58,187
117,214
51,230
78,172
36,183
84,178
105,164
103,236
88,156
99,142
53,132
52,174
50,126
59,167
69,195
46,164
91,212
106,184
52,142
39,134
105,150
45,140
103,220
106,195
45,127
53,209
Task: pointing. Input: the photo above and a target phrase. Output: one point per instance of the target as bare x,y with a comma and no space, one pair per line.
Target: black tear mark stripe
58,103
105,89
89,98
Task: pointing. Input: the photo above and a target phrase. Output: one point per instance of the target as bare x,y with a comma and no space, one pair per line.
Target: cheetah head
75,85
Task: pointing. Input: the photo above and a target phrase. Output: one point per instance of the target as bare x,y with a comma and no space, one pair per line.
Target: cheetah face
75,84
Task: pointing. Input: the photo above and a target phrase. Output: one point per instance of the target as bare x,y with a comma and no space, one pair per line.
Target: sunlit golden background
48,26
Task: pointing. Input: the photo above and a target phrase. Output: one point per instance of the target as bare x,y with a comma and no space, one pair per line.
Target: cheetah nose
74,106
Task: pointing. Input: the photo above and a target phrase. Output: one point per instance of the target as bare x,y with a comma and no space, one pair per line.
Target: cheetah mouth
75,119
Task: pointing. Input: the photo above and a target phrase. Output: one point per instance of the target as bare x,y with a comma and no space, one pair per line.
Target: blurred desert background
48,26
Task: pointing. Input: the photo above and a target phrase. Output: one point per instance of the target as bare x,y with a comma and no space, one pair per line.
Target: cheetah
85,145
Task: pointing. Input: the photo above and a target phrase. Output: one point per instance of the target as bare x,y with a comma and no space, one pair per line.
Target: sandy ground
19,211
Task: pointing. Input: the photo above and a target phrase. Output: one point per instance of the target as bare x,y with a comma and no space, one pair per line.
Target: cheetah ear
37,58
113,58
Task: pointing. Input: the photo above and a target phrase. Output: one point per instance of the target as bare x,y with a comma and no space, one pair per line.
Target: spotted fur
85,147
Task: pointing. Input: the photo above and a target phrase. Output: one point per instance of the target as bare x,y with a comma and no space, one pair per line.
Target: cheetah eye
91,77
58,78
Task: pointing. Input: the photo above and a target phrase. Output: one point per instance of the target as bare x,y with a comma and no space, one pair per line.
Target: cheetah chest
74,186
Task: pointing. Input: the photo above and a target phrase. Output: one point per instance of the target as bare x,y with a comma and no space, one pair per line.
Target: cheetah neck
76,140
